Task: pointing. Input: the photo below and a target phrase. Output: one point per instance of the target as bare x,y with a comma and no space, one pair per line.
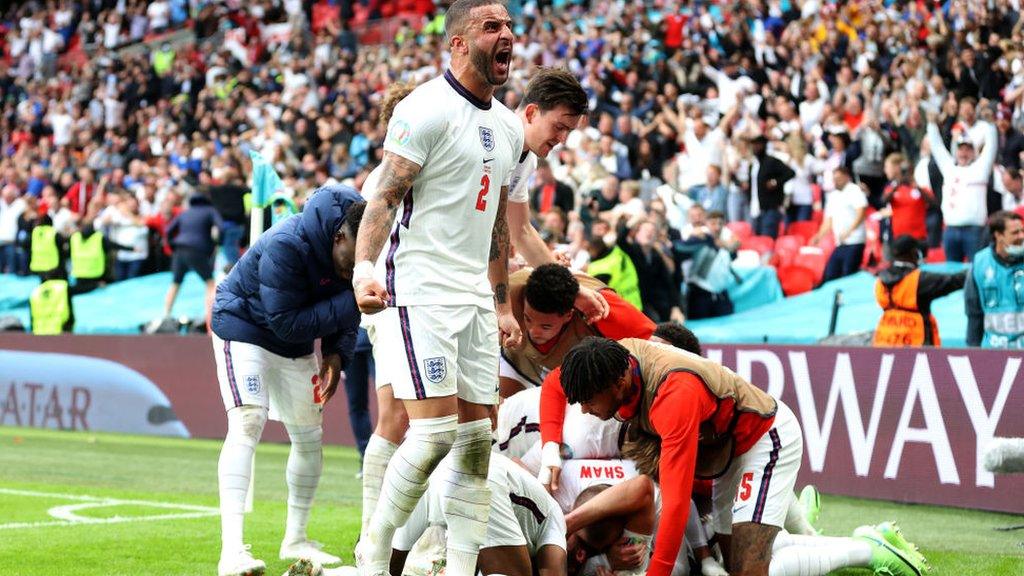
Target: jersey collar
464,92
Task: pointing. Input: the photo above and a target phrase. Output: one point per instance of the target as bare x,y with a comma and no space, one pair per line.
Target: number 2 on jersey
481,197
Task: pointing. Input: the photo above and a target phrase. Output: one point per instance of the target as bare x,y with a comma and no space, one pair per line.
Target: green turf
185,471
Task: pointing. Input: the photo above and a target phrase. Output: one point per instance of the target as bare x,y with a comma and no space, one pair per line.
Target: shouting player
448,156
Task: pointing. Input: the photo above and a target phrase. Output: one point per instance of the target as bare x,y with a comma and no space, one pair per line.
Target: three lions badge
435,369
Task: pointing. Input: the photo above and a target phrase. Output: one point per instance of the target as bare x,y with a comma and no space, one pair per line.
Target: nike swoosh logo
486,160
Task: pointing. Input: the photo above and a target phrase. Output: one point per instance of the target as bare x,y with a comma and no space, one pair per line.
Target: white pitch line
69,518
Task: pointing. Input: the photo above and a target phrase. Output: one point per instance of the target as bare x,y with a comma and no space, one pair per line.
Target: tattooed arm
497,272
396,180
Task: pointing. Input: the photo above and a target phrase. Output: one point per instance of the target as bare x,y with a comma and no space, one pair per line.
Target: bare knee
751,549
392,419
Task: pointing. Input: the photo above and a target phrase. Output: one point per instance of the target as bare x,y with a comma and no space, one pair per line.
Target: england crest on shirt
487,138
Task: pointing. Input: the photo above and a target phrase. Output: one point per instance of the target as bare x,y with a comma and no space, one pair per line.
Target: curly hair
591,367
392,97
551,289
679,336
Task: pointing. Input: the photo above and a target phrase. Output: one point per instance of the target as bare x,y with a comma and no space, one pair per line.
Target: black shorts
185,259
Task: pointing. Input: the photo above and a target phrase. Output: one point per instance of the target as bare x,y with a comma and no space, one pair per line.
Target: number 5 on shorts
743,494
481,198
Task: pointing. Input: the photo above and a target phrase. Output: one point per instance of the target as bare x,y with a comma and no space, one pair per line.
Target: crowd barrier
905,425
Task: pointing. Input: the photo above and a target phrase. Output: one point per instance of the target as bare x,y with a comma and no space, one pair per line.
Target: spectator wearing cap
768,177
905,293
964,189
845,208
992,292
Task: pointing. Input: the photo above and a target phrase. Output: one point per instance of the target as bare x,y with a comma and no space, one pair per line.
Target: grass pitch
87,504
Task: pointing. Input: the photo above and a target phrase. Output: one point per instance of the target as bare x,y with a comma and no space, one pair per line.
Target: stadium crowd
801,133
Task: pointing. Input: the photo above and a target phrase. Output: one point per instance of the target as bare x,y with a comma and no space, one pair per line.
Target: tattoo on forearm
498,265
501,292
395,182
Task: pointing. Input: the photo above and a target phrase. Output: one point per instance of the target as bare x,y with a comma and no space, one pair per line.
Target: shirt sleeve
682,403
413,131
552,407
623,319
517,190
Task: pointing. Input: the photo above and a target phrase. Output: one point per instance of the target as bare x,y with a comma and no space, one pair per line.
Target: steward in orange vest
905,294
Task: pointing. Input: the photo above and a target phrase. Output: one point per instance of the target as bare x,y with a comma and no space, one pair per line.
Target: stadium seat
786,248
741,229
814,259
804,228
761,244
747,259
937,254
796,279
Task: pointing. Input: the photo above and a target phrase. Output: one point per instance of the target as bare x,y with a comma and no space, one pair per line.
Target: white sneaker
240,563
308,550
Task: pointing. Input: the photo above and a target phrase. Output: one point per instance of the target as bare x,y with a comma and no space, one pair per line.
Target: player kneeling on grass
290,288
706,421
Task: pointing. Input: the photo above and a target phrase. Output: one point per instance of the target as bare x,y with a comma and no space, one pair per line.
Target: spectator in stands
11,208
123,224
992,293
1012,188
192,234
964,190
768,178
907,204
905,293
549,192
655,268
712,195
845,209
800,190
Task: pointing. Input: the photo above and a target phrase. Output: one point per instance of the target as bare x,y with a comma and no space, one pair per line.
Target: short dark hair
353,216
553,87
905,248
592,366
716,214
997,221
458,13
679,336
551,289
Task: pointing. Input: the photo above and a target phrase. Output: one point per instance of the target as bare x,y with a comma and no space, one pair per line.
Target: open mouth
503,57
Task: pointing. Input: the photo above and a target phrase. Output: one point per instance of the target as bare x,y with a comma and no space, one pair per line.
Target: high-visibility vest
88,261
45,255
621,273
1001,291
163,61
902,323
49,307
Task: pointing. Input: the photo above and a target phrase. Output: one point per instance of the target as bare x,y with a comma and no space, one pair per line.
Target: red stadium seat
760,244
804,228
796,280
741,229
936,255
786,249
814,259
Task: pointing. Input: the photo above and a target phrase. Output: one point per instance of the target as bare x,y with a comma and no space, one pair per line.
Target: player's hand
592,304
371,297
562,259
548,476
550,466
330,375
625,555
509,332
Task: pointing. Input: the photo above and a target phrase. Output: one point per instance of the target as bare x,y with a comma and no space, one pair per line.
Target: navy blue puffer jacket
284,293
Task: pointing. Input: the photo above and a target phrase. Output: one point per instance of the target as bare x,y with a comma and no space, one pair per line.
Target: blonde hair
396,92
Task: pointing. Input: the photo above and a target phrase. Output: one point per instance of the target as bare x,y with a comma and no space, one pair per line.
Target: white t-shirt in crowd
842,206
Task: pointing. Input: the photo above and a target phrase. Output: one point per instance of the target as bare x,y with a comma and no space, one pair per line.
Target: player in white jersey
448,156
526,530
554,101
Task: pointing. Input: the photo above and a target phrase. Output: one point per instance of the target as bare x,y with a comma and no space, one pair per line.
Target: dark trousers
767,223
127,269
357,389
961,242
799,213
845,260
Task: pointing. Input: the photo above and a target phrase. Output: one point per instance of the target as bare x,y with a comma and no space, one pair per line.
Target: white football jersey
438,250
518,190
578,475
518,427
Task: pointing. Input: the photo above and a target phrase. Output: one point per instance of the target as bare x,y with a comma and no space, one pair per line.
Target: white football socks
796,518
405,480
467,501
798,555
245,426
305,464
375,461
